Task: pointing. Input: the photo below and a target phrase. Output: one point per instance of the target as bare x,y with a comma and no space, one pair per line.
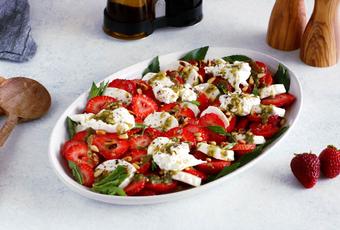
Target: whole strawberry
330,162
306,168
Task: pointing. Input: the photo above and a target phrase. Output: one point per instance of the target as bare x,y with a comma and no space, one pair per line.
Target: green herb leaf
228,169
140,126
223,89
218,130
71,127
197,103
75,172
256,90
97,91
153,67
154,166
282,77
109,184
233,58
196,54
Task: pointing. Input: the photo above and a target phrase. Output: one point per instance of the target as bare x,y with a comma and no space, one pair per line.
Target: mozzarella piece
120,119
189,73
191,106
163,121
208,89
188,94
110,165
165,94
250,138
158,79
272,90
119,94
216,152
239,104
187,178
269,109
236,73
171,156
218,112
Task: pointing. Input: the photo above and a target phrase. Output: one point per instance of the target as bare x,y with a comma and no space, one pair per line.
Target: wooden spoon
21,99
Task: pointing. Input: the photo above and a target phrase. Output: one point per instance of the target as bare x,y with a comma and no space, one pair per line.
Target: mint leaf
233,58
97,91
218,130
282,77
71,127
75,172
196,54
153,67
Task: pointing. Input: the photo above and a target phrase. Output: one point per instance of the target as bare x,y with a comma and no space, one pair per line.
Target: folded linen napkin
16,42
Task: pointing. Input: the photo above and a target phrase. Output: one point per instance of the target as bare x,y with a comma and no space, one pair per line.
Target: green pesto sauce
158,77
105,116
266,111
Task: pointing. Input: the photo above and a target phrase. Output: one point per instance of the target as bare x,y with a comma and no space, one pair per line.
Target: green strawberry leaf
75,172
196,54
153,67
237,57
97,91
71,127
282,77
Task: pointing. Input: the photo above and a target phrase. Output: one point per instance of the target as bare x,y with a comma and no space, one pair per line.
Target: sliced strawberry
204,134
145,87
69,144
281,100
170,108
144,167
110,147
137,155
232,124
242,123
146,192
213,167
127,85
266,130
76,152
87,174
96,104
80,136
197,173
161,187
174,132
184,113
142,106
241,149
223,84
189,137
135,186
203,100
199,155
218,138
267,79
210,119
139,141
153,133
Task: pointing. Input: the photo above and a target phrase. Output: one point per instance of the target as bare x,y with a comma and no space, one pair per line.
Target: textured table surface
73,52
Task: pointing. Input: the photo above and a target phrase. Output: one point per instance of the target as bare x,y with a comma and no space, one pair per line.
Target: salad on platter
174,129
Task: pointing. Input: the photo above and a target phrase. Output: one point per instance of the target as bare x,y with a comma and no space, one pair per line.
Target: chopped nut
139,91
100,132
283,121
245,88
213,143
98,172
251,81
211,80
94,148
242,141
261,75
199,139
200,78
123,136
197,134
136,166
208,159
228,114
128,158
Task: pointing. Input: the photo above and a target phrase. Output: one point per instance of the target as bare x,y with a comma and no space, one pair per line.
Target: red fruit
170,108
161,187
242,123
135,186
139,141
137,155
197,173
218,138
142,106
267,79
241,149
273,119
281,100
146,192
144,167
153,133
145,87
189,137
203,100
266,130
185,113
80,136
199,155
195,129
306,168
210,119
87,174
232,124
127,85
183,134
213,167
110,147
96,104
330,162
76,152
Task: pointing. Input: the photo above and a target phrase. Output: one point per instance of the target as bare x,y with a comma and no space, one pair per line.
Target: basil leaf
196,54
282,77
97,91
228,169
71,127
153,67
217,129
237,57
75,172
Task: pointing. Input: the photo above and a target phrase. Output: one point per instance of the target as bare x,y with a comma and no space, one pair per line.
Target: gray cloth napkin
16,43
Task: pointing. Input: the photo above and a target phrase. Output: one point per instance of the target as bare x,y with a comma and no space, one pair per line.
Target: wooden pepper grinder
319,40
286,25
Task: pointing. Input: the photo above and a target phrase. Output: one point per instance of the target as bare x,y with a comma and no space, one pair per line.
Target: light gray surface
73,52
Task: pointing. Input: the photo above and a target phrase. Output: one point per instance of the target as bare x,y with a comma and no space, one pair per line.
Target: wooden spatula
21,99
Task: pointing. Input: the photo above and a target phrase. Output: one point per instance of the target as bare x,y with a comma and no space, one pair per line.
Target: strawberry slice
153,133
137,155
135,186
127,85
80,136
210,119
98,103
197,173
201,132
232,124
147,192
142,106
266,130
170,108
145,87
110,147
161,187
203,100
87,174
241,149
218,138
242,123
267,79
213,167
139,141
76,152
281,100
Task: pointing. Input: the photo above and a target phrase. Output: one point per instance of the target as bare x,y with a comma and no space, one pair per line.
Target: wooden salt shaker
286,25
318,47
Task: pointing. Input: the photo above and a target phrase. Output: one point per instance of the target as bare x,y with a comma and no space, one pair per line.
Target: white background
73,51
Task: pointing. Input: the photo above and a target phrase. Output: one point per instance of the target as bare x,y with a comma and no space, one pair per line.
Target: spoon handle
7,128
